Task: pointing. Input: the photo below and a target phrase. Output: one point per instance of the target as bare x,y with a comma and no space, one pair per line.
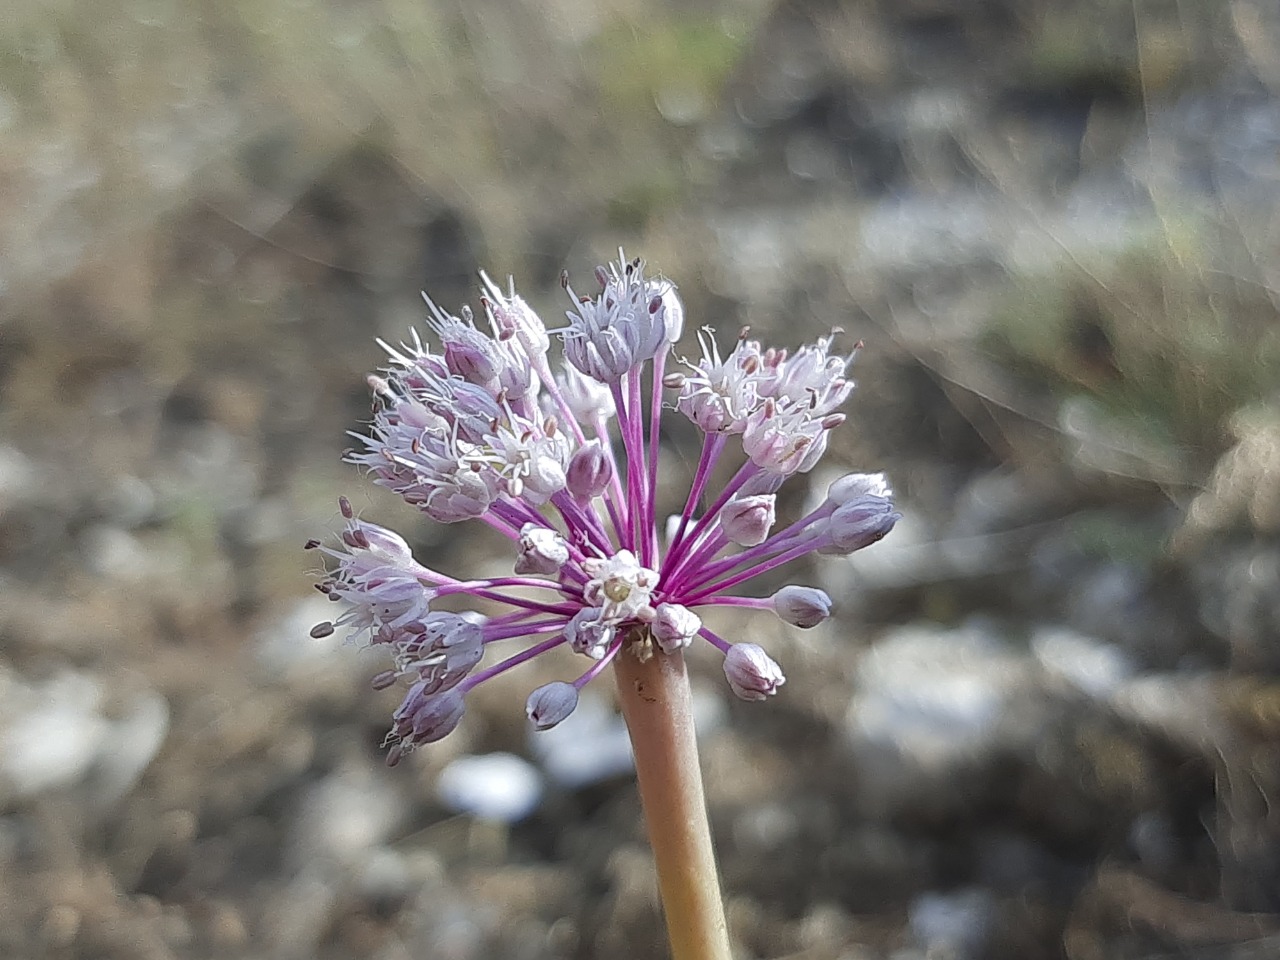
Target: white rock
1185,707
52,732
1095,668
346,816
932,702
493,786
19,479
131,744
935,694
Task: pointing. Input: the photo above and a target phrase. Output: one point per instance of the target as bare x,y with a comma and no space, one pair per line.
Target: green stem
656,703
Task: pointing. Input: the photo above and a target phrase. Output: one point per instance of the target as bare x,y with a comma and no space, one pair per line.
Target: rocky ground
1046,722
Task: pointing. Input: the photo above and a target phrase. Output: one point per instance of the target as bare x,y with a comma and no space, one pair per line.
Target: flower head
564,462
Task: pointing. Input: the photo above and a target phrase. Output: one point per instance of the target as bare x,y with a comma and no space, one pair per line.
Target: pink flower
563,461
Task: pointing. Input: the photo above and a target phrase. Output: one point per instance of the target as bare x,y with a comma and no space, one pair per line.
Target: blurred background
1046,722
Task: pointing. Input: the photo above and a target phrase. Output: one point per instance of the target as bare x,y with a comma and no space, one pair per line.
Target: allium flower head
563,462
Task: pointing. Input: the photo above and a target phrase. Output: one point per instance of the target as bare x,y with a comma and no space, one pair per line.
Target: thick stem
657,706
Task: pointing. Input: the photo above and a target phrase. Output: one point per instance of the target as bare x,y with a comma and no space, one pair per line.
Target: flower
752,673
551,703
618,330
802,607
562,459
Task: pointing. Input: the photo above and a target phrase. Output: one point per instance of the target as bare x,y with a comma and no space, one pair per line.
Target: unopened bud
802,606
853,485
590,471
746,521
752,673
542,550
859,523
550,704
674,626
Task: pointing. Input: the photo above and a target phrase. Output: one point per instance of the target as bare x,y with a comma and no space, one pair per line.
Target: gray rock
931,702
955,924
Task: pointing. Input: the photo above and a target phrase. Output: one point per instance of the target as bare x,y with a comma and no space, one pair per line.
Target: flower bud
542,550
550,704
746,521
802,606
859,523
674,626
752,673
853,485
590,471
